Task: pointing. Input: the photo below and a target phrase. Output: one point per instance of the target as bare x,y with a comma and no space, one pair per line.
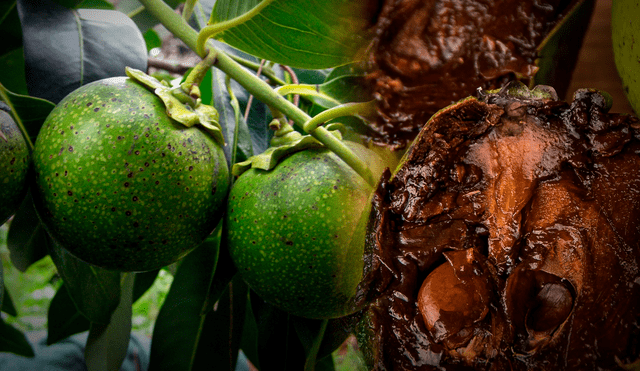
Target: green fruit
121,185
296,232
625,33
14,166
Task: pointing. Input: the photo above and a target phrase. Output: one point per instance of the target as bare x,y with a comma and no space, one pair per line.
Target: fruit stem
254,85
198,73
187,10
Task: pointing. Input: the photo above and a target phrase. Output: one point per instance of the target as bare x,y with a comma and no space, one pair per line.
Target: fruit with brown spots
296,232
120,184
15,160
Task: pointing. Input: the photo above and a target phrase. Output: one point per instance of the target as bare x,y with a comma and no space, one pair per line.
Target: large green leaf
309,34
180,321
67,48
107,344
95,291
9,27
223,327
63,317
12,74
65,320
559,51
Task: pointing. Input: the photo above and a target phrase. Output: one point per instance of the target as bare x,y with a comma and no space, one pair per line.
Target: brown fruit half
509,238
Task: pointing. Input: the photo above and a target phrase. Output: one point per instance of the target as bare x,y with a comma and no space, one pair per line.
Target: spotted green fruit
296,232
625,33
14,166
120,184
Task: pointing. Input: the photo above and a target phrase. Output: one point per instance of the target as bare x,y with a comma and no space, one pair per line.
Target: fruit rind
292,233
121,185
15,161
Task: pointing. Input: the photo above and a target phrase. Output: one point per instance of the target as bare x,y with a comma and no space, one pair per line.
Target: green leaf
180,322
27,240
63,317
220,340
107,344
67,48
225,271
558,52
276,336
95,4
1,284
95,291
218,96
144,280
7,304
152,40
32,111
9,27
308,34
12,74
249,338
14,341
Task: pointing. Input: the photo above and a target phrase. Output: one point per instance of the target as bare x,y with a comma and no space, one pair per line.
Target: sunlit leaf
308,34
152,40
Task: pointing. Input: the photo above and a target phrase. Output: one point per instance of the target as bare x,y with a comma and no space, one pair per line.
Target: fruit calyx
184,107
285,141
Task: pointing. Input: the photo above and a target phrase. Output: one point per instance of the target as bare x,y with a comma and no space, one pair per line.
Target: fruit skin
121,185
15,162
296,232
625,34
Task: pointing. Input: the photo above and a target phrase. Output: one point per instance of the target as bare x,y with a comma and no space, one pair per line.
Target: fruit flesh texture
530,213
120,184
296,232
15,161
427,55
625,33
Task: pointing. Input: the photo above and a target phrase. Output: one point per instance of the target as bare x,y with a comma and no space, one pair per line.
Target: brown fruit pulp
525,212
429,54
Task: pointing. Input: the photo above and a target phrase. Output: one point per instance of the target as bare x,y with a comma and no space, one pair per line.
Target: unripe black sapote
120,184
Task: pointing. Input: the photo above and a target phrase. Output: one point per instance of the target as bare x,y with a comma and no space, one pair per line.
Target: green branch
254,85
